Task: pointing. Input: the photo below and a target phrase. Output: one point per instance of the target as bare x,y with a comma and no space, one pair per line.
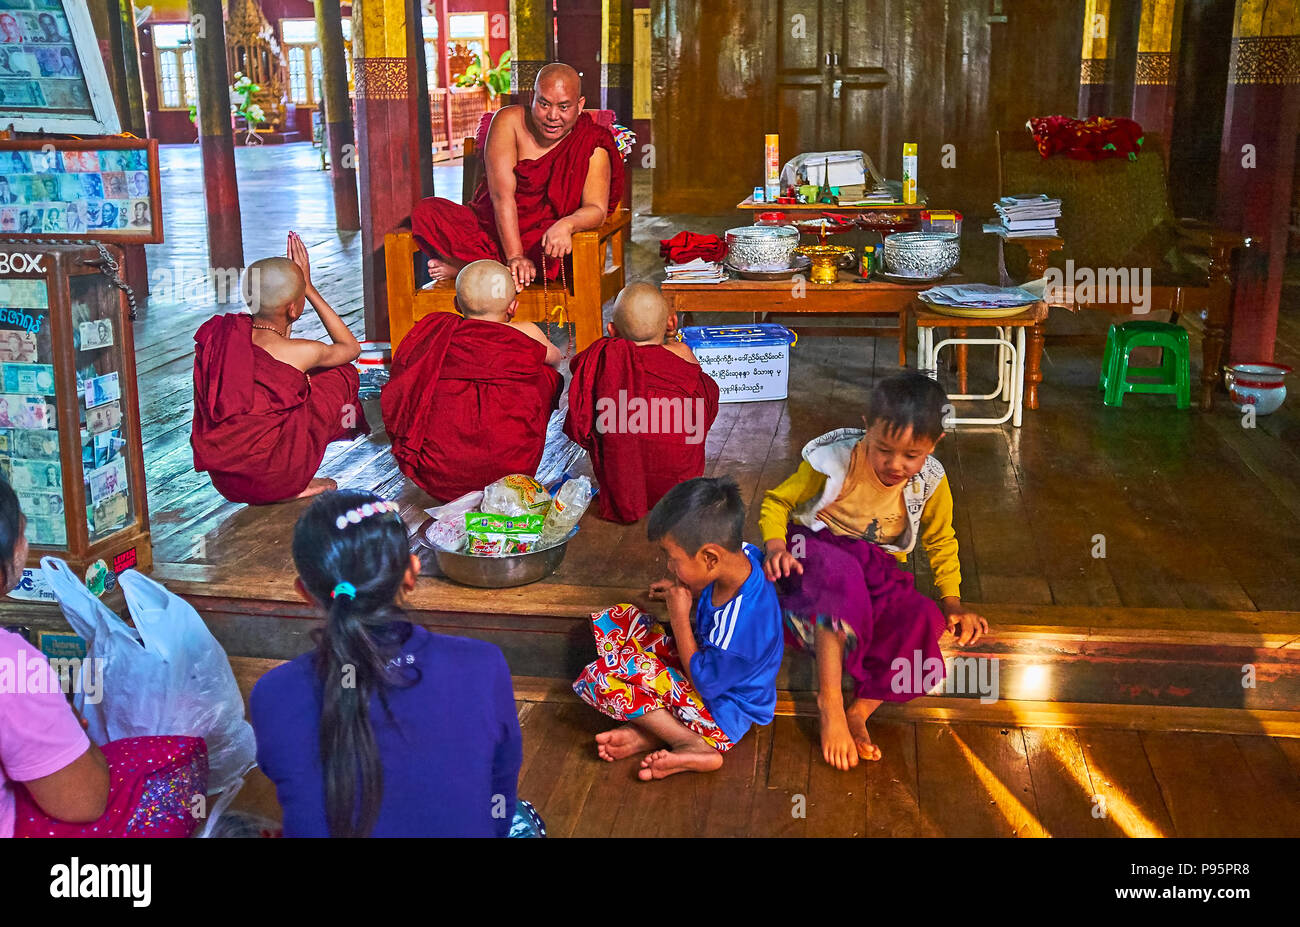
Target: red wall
493,8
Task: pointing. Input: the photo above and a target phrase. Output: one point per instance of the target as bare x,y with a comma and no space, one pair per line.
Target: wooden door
803,74
860,77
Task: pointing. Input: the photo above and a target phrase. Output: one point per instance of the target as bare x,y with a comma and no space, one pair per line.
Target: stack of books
1026,216
696,271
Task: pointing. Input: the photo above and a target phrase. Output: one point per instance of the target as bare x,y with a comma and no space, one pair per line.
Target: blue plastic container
750,362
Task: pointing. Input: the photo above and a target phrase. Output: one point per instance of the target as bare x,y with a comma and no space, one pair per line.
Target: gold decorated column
393,134
1257,164
1157,69
530,45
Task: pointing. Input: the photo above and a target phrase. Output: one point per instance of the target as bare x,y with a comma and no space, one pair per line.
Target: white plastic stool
1011,370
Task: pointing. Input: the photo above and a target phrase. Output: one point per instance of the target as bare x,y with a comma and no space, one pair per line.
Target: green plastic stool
1175,364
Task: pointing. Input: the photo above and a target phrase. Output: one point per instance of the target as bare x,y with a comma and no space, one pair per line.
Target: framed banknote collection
103,189
69,412
52,76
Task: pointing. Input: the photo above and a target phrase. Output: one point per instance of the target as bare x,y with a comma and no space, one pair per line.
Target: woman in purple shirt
386,729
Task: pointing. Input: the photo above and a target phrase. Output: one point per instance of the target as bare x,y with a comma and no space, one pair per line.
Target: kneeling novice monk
699,687
265,404
470,398
641,408
833,531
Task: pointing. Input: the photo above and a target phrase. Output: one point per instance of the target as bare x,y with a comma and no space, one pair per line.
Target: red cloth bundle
1087,140
687,246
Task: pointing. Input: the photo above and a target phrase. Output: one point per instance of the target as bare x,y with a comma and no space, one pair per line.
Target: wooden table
1025,362
875,217
793,296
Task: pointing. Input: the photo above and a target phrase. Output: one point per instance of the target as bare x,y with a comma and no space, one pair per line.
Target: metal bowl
496,572
761,247
921,254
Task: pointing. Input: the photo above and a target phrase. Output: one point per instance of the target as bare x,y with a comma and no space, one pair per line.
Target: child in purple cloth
386,729
834,534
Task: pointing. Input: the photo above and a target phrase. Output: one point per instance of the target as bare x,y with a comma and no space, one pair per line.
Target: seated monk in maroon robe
641,408
551,171
265,404
470,397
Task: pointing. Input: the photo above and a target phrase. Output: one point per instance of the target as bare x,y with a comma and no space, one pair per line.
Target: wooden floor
1198,514
934,780
1196,511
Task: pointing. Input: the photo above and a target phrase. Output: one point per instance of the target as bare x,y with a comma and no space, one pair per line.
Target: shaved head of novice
275,289
486,290
640,314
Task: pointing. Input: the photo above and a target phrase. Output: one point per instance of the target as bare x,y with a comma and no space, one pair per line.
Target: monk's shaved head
641,313
558,75
273,283
485,289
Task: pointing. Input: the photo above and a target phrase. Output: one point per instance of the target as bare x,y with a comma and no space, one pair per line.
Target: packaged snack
448,534
516,494
566,508
494,535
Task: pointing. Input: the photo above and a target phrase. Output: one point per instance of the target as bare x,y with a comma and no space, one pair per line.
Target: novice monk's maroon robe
546,189
468,403
643,414
260,426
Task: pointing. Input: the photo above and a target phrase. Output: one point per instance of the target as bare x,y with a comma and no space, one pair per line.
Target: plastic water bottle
566,508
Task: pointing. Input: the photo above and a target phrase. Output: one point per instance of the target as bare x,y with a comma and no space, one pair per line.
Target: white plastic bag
167,676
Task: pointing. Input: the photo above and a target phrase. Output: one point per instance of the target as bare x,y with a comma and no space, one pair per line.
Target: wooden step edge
559,600
1011,712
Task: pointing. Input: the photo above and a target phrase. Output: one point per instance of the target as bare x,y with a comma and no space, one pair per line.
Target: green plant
481,73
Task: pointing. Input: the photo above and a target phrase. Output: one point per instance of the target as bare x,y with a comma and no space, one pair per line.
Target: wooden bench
598,272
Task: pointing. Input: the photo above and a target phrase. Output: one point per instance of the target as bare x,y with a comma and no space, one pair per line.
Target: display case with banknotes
69,409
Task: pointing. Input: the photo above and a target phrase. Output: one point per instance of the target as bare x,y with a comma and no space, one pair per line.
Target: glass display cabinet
69,409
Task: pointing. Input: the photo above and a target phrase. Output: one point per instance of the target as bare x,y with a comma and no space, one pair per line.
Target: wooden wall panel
934,72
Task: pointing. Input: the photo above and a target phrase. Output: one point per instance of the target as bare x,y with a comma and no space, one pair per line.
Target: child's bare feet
622,742
838,748
441,270
317,486
857,716
682,758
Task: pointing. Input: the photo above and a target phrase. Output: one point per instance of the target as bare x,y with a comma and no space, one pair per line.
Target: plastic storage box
750,362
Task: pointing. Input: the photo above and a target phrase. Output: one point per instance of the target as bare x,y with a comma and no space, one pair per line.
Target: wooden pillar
531,41
1157,70
393,135
338,116
216,143
1257,163
1094,64
444,72
1109,57
616,58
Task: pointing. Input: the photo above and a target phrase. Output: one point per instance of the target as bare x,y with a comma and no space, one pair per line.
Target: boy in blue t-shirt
699,687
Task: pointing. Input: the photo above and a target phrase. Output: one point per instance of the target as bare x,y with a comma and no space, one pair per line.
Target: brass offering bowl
825,260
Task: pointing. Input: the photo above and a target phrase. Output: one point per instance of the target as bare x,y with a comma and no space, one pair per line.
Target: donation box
69,411
750,362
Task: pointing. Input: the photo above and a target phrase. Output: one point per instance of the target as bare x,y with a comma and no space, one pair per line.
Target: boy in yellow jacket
831,535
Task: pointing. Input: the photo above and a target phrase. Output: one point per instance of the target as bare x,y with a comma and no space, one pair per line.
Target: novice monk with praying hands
832,533
640,407
470,396
266,404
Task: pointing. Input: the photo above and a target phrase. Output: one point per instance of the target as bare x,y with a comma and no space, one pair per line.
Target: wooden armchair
598,271
1115,217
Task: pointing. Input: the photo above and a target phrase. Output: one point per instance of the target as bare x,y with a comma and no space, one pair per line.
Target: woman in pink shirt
42,744
54,781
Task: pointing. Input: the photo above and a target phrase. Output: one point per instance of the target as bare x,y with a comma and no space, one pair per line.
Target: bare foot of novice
664,763
317,486
442,270
838,748
622,742
857,716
